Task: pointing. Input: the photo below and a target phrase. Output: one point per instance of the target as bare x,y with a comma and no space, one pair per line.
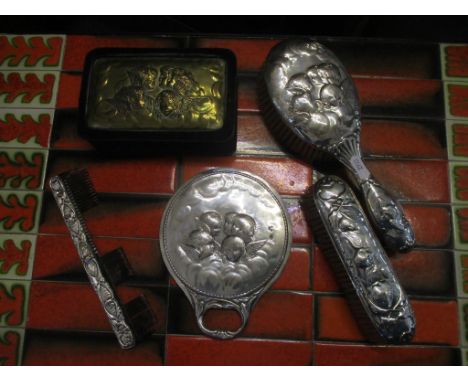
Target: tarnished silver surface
225,238
317,100
89,257
364,260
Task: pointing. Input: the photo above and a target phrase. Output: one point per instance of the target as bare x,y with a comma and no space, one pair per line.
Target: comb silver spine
89,257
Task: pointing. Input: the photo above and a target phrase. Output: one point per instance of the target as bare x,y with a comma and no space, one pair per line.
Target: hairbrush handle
386,213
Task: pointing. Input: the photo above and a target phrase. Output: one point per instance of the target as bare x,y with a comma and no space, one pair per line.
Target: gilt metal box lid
172,100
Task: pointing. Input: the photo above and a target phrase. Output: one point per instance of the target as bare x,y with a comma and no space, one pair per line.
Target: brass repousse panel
158,93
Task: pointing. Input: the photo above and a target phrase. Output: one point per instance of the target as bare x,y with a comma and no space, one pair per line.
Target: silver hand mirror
225,238
316,99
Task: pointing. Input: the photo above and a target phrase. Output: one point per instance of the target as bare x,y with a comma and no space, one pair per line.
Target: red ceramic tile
276,315
402,139
10,343
431,225
248,95
328,354
436,321
456,63
69,91
324,279
287,176
196,350
250,53
388,92
254,136
77,47
117,217
425,272
387,58
301,233
413,180
420,272
139,175
73,306
57,256
296,273
49,349
66,132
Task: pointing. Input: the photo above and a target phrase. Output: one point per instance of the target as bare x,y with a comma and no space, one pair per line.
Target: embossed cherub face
240,225
203,242
233,247
318,105
178,79
144,78
211,222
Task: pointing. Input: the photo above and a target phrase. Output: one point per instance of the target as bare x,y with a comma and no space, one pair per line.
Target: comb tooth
79,184
140,316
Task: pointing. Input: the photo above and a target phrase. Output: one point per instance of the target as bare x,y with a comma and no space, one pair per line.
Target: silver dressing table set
226,235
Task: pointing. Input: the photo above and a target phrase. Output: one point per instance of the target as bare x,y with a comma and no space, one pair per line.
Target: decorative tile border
14,297
22,169
25,128
461,268
454,62
11,346
31,51
17,256
457,140
20,211
21,89
456,100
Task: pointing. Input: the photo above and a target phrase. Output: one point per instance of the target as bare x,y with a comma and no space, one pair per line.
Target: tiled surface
454,65
414,139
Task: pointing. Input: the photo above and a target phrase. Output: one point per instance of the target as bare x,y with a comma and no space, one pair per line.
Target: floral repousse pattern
87,253
365,261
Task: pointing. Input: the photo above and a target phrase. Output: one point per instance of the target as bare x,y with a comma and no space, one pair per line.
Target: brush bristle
80,186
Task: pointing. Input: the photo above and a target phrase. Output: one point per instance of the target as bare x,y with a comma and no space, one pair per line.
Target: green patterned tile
20,211
461,269
454,62
457,140
11,346
26,52
14,297
28,89
23,169
456,100
17,256
25,128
